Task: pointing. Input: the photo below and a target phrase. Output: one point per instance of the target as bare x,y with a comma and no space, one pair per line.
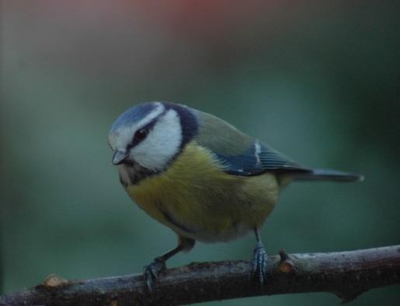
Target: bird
202,177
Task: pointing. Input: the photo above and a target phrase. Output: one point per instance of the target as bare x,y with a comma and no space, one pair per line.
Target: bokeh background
317,80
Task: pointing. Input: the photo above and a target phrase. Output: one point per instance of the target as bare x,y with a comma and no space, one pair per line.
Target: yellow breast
197,199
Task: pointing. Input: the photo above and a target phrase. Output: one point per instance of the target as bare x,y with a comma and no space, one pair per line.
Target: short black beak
119,157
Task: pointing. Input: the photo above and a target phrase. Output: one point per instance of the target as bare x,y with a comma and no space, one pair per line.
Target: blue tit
202,177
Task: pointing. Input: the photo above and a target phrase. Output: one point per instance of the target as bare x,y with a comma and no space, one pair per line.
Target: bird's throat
132,173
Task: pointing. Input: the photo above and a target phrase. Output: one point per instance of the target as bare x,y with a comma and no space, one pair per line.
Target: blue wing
243,155
258,159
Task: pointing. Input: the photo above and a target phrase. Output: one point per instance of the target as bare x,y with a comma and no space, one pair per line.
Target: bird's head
151,135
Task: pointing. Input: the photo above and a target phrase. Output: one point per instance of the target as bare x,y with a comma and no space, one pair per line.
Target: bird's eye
140,135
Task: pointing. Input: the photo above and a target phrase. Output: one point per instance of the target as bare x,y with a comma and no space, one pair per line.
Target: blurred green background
319,81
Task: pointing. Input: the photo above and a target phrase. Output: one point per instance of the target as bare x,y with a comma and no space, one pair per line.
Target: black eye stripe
141,134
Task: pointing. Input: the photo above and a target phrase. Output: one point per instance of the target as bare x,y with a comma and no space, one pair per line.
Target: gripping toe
152,270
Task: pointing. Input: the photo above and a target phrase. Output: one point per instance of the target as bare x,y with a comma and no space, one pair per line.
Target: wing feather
239,153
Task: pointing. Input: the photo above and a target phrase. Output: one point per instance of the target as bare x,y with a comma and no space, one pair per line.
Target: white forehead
122,136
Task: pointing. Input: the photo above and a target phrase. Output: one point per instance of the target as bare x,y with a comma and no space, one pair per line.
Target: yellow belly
197,199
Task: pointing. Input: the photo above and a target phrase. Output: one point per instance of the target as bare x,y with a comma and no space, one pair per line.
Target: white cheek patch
162,143
123,136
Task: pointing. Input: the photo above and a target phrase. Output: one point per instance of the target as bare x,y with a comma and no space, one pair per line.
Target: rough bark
346,274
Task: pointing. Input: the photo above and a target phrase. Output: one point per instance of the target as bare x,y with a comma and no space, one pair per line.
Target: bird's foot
152,270
259,262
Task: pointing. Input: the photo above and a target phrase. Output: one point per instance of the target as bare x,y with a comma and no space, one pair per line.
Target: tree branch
346,274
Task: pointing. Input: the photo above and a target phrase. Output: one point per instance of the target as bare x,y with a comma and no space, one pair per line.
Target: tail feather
328,175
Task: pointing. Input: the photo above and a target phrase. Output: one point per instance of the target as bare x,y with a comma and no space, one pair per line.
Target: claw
152,270
260,260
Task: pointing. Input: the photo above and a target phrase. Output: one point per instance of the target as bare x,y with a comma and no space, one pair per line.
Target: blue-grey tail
328,175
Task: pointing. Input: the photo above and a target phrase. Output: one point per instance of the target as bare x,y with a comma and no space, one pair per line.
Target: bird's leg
152,270
260,258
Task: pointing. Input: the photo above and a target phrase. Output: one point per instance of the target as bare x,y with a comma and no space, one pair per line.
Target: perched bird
202,177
